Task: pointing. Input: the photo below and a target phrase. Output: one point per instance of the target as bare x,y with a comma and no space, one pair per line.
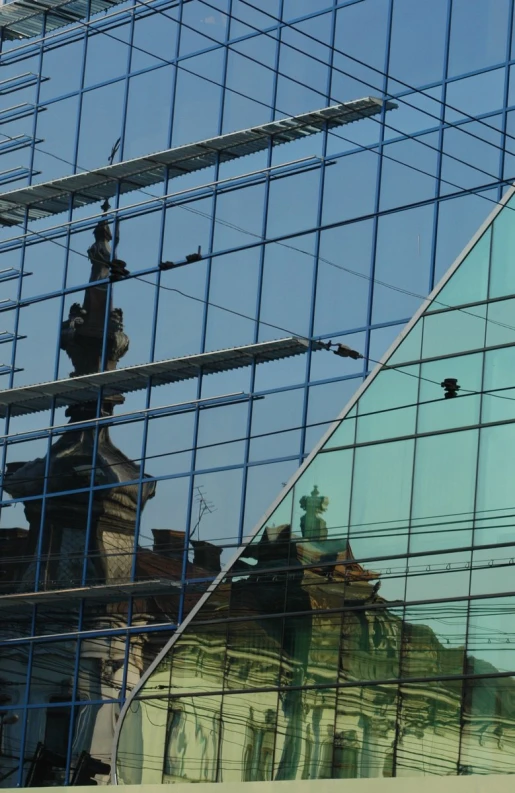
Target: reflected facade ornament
82,334
312,525
81,538
314,694
79,545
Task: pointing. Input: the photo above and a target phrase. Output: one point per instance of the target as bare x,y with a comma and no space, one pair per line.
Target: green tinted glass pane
491,636
502,274
311,643
321,498
381,498
365,732
469,284
444,491
500,328
488,745
383,580
344,434
410,347
371,643
388,408
495,504
130,759
326,639
433,641
296,645
429,723
492,570
304,735
290,746
198,660
454,331
317,762
147,719
438,413
499,398
253,656
445,575
249,732
193,733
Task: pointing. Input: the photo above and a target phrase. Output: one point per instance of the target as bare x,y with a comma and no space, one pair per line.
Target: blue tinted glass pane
479,31
418,42
481,93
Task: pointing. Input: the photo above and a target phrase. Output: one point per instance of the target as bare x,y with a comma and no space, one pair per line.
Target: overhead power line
349,270
260,63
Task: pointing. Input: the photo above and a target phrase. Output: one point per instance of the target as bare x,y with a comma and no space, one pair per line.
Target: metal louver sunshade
73,390
51,198
21,19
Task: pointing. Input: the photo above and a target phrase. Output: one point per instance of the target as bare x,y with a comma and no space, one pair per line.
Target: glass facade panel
358,610
429,722
364,732
487,743
349,635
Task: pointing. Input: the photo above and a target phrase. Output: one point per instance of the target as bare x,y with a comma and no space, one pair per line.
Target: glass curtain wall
366,630
117,514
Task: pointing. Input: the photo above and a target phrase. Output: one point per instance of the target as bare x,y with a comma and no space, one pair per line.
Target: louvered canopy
51,198
21,19
74,390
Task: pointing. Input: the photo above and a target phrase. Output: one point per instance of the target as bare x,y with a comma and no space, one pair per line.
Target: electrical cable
331,98
333,264
244,95
283,24
215,444
445,105
244,231
299,250
414,530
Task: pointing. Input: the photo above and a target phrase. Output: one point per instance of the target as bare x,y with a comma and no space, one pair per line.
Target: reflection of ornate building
80,553
297,668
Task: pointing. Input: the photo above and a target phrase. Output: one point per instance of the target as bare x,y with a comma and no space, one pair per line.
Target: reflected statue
297,648
312,526
83,538
82,334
